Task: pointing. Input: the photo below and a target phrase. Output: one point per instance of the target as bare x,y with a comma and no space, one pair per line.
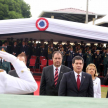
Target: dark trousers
105,69
98,67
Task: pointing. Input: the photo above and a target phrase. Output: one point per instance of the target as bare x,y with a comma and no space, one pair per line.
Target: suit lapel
73,79
51,71
60,74
82,79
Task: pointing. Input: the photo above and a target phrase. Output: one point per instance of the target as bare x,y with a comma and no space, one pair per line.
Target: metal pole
95,19
87,12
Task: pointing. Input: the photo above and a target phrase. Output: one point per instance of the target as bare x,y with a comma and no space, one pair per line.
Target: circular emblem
42,24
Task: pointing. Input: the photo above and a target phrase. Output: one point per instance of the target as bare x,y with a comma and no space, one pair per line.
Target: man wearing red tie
51,75
76,83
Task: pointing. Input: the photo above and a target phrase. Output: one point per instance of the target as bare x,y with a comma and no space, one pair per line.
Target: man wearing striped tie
51,75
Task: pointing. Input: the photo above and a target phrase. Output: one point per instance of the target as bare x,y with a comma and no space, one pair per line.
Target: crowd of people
65,77
91,54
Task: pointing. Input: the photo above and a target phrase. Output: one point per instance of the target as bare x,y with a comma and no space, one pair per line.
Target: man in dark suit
43,51
51,75
24,48
76,83
105,82
15,49
35,50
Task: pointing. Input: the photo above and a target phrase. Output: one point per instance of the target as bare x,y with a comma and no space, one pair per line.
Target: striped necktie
56,76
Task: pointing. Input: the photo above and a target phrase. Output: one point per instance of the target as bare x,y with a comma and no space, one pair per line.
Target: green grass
104,92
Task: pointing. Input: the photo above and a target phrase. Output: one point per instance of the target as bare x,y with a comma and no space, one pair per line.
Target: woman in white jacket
91,69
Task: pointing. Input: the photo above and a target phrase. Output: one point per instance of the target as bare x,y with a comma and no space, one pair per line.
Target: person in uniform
0,43
43,52
50,51
24,48
64,56
105,62
15,49
98,60
89,58
80,53
35,50
70,55
12,85
21,57
3,48
83,56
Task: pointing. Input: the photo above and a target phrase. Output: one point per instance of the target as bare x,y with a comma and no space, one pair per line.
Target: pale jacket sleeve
99,89
12,85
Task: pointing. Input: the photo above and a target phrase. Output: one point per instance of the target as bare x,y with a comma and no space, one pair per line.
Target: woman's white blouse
97,87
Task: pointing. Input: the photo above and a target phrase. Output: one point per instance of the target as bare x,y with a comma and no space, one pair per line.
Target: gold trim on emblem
22,71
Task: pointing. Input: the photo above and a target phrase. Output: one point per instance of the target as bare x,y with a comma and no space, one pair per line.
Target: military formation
97,54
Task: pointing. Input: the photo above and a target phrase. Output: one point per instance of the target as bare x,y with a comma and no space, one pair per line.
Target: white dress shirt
54,69
13,85
77,76
97,87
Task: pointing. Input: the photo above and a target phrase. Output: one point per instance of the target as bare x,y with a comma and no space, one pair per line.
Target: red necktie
56,76
78,81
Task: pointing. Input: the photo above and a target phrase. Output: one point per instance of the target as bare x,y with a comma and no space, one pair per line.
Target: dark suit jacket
13,73
68,85
43,52
24,49
105,82
47,86
15,49
36,51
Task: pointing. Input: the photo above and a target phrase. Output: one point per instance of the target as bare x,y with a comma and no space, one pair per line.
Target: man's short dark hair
58,52
77,58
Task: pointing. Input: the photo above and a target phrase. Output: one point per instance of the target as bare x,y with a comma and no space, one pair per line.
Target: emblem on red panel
42,24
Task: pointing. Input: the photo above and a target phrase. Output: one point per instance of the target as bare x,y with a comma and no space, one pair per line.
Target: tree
13,9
